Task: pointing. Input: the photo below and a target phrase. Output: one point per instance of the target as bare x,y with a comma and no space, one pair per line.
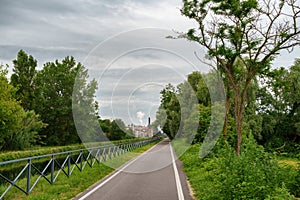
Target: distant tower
149,121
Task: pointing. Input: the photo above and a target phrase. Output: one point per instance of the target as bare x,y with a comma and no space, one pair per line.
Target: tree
292,98
251,32
28,133
11,113
23,79
169,112
273,108
19,129
117,131
198,84
278,100
55,85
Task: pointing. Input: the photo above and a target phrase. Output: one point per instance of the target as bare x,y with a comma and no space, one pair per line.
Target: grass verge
67,188
292,162
224,176
36,151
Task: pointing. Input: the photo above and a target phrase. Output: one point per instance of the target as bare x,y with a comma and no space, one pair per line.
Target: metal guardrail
69,160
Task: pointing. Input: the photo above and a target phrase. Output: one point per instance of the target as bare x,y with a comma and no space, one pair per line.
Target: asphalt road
153,175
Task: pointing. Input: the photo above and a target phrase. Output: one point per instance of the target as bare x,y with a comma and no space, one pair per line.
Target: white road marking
178,183
115,174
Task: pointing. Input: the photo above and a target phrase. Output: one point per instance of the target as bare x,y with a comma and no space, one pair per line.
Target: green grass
284,161
35,151
193,170
202,175
67,188
180,146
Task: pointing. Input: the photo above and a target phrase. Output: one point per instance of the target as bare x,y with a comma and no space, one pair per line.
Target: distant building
141,131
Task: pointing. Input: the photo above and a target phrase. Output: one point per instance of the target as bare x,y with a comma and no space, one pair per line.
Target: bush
255,174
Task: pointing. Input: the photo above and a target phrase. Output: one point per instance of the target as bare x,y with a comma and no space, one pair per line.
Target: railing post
109,153
28,177
69,165
52,169
81,154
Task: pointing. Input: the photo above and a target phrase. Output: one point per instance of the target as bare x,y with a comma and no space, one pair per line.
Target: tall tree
170,111
250,31
292,99
279,98
23,78
55,84
18,128
11,113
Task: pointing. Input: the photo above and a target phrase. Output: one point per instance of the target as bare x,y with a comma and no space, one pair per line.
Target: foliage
57,93
55,83
11,113
169,112
38,150
179,112
278,100
19,129
27,135
241,39
23,79
115,130
254,174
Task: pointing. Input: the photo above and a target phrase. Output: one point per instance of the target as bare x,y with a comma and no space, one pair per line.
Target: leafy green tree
85,108
19,129
292,99
204,121
117,131
278,100
23,79
170,111
28,133
105,125
251,32
189,118
272,108
11,113
55,84
197,82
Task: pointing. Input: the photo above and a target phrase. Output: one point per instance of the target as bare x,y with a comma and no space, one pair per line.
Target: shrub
255,174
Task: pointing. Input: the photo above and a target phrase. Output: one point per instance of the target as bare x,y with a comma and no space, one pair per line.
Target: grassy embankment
35,151
67,188
246,177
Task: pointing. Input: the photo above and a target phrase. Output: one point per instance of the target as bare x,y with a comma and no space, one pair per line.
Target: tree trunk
227,108
239,103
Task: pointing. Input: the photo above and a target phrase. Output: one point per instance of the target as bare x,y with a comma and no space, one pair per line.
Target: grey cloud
9,52
93,32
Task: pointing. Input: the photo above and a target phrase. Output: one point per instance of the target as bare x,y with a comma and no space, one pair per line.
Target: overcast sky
121,42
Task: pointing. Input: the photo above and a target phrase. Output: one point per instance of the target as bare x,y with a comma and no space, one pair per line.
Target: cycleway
154,175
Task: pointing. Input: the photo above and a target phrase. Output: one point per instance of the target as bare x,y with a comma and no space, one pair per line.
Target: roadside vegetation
38,150
255,174
36,118
36,105
254,152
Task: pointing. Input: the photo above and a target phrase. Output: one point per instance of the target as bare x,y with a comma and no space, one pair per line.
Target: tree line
36,105
272,111
242,39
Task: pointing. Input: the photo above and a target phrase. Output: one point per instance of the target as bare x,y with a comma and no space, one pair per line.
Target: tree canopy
241,39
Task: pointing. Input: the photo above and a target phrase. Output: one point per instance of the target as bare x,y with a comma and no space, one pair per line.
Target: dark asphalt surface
149,177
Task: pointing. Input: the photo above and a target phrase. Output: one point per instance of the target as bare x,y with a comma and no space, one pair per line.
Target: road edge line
115,174
177,179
